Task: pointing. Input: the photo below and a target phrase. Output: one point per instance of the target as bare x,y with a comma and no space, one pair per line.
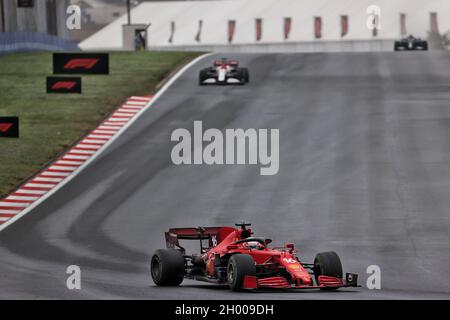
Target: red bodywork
226,63
276,267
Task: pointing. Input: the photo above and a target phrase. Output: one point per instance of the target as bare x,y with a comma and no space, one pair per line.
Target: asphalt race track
364,171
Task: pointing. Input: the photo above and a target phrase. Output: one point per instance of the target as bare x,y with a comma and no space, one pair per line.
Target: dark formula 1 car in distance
224,72
410,44
235,257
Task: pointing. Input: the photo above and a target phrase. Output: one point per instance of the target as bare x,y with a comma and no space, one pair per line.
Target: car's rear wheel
167,267
239,266
327,264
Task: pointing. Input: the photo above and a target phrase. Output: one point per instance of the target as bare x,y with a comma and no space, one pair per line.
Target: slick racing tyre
246,75
243,76
203,75
239,266
398,47
327,264
167,267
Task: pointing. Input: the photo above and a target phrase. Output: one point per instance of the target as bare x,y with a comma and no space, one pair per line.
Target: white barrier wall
215,15
307,46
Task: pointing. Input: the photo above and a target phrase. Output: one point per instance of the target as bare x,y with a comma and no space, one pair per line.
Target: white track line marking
128,107
58,174
127,111
69,163
68,156
19,194
88,146
106,133
22,198
76,150
23,191
113,124
13,204
40,185
146,99
64,162
99,136
62,168
118,124
114,119
109,128
148,103
49,179
9,212
94,141
136,103
123,114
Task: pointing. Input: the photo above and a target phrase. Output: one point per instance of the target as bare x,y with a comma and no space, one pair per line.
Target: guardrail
33,41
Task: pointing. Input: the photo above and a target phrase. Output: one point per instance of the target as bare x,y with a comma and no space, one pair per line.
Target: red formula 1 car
233,256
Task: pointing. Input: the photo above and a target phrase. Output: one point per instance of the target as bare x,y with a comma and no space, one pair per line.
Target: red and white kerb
63,167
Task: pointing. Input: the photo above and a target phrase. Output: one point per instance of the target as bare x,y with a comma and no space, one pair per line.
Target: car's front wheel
167,267
202,76
239,266
327,264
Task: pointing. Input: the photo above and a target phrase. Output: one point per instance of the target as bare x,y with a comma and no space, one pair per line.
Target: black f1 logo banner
63,85
25,3
80,63
9,127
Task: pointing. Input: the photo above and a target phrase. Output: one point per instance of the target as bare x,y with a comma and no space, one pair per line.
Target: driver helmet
254,245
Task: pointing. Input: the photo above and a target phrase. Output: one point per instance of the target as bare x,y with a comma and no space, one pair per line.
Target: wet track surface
364,171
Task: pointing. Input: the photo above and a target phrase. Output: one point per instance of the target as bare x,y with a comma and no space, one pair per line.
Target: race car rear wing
233,63
214,234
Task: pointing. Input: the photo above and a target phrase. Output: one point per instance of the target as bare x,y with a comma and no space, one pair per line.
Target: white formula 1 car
224,72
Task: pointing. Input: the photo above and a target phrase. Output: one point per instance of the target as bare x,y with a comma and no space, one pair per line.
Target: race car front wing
251,282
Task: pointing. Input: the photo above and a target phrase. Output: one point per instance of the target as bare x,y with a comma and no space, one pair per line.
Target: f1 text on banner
80,63
63,85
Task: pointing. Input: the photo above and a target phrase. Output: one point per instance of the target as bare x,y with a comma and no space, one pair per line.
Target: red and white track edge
62,168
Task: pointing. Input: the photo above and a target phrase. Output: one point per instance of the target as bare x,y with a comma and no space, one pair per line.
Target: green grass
49,124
